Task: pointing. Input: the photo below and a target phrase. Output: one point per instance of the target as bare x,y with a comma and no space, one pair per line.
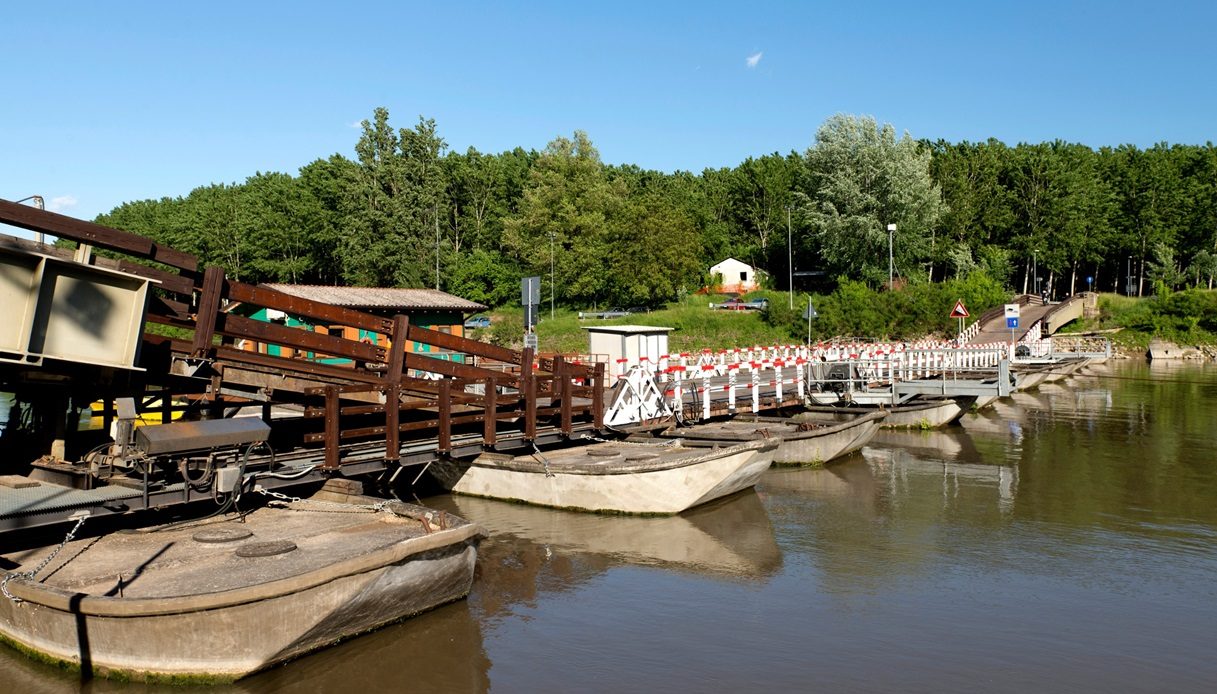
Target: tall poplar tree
859,178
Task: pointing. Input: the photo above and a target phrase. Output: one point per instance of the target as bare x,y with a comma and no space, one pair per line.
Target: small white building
738,277
629,342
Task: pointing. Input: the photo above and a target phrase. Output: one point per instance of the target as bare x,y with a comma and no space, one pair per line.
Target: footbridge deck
1034,315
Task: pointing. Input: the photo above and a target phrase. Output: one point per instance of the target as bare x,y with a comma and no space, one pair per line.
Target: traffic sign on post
530,297
1012,322
960,311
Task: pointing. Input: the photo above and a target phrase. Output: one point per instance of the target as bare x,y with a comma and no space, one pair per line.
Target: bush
917,310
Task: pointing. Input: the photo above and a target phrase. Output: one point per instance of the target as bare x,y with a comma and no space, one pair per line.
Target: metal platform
18,506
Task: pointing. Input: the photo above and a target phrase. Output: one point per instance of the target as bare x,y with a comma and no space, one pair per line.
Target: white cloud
753,59
61,203
357,125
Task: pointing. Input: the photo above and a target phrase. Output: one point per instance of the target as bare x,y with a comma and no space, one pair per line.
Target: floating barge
220,599
801,442
615,477
928,413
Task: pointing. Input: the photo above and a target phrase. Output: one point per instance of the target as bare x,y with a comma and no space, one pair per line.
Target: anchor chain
29,575
350,508
597,439
544,461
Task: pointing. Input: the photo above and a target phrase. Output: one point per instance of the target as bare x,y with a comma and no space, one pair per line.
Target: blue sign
1012,322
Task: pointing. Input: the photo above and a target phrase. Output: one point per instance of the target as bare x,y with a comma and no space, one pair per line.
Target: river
1064,540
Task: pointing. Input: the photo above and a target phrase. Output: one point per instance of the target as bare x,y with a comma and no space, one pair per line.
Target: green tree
859,178
391,204
656,251
281,220
978,206
566,207
760,191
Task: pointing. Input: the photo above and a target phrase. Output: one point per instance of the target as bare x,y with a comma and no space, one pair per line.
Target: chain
372,508
669,442
544,461
29,575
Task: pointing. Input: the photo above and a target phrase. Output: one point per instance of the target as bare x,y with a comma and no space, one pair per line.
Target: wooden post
397,356
528,382
445,416
331,427
208,311
393,422
490,422
563,375
598,397
397,361
555,387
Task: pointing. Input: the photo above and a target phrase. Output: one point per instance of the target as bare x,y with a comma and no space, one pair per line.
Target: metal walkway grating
46,498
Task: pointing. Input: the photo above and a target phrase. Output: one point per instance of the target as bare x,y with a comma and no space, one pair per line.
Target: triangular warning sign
959,311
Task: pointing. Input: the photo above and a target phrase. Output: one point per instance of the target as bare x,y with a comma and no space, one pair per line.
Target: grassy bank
1186,317
694,326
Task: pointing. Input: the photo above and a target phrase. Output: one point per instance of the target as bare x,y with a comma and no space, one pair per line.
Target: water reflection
731,538
1061,541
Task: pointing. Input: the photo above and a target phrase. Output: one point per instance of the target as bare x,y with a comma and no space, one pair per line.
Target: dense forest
407,212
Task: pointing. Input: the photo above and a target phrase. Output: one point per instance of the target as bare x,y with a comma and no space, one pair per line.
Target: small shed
427,308
629,342
738,277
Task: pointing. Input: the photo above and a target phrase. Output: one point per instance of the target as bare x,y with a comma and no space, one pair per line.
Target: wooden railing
201,301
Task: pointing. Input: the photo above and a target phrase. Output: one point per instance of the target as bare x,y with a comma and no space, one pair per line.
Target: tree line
406,211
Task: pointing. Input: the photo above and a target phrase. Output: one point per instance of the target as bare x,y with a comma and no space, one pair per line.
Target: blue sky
111,102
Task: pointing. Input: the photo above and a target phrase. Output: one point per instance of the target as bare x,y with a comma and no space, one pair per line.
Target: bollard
678,400
800,382
732,374
756,388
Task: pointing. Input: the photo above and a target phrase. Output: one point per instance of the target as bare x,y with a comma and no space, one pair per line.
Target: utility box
60,309
207,434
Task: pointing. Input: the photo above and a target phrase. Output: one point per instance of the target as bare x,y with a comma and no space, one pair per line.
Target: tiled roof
381,297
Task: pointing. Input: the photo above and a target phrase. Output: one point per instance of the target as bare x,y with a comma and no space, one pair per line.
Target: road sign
530,290
1011,311
810,312
960,311
1012,322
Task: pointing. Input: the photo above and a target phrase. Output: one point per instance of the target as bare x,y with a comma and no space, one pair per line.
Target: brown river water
1064,540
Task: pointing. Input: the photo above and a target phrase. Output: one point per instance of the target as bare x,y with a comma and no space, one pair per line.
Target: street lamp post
40,204
551,275
789,260
891,229
1035,271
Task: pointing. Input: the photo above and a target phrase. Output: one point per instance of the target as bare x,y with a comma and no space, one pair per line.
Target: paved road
996,330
